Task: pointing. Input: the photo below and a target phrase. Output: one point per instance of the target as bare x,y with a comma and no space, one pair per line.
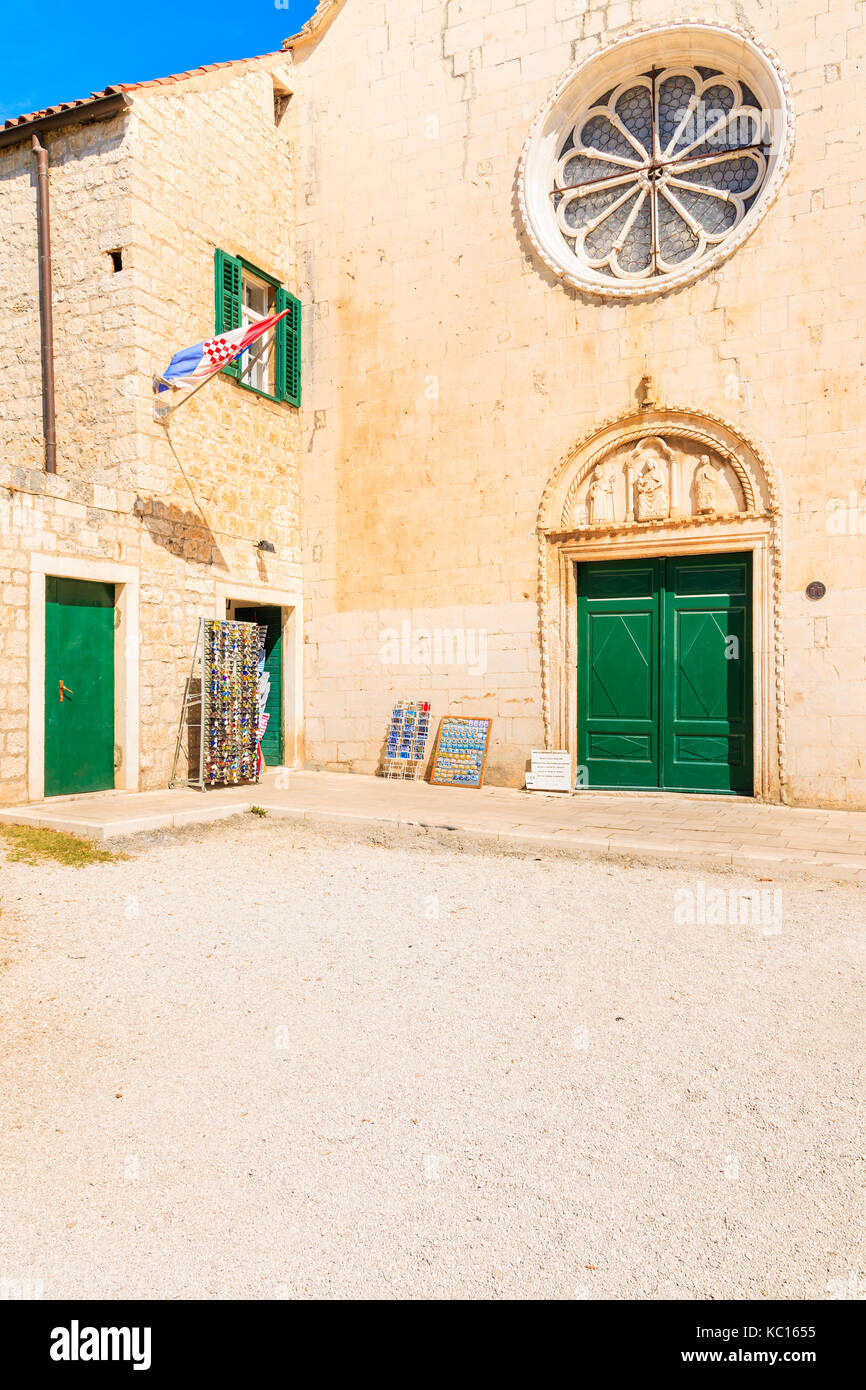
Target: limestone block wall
191,166
450,371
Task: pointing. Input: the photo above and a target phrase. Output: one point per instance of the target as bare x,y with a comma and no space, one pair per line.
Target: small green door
664,688
79,686
272,619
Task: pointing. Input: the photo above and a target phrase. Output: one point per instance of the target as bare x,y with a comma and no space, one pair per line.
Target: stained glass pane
600,242
736,175
674,96
579,212
713,214
695,115
677,242
599,134
637,253
634,109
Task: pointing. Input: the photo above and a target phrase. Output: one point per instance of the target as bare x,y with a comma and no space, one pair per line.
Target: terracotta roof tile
125,87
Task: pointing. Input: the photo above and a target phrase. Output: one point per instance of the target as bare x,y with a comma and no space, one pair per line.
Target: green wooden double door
664,668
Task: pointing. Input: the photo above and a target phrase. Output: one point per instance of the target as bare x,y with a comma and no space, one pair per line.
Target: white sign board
551,772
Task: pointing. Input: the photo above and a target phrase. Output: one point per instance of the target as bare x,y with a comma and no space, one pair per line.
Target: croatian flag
195,364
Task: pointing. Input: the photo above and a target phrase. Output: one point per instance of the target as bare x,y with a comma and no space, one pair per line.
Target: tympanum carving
653,481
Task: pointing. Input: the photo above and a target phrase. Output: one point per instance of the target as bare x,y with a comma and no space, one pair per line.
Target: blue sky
59,51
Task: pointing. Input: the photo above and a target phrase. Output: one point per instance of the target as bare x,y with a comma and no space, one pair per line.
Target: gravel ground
257,1060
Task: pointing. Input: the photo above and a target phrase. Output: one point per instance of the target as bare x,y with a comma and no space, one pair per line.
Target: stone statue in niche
652,492
706,486
600,497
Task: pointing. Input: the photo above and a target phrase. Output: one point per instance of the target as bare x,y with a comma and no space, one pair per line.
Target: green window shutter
228,299
289,348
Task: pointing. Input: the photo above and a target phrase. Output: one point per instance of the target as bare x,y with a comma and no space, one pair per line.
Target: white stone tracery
653,159
665,167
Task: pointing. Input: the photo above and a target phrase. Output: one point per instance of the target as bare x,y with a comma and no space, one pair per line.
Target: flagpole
162,415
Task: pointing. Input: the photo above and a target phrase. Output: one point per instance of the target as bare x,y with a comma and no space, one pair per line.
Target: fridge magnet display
223,689
460,756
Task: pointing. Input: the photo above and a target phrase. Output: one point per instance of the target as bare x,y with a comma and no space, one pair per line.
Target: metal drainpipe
46,317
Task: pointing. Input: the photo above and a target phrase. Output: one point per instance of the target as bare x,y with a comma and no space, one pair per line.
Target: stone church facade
578,444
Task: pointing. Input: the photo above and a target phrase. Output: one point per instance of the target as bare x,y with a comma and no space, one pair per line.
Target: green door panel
79,651
272,618
624,579
695,749
621,668
707,674
664,686
634,747
618,648
704,690
711,575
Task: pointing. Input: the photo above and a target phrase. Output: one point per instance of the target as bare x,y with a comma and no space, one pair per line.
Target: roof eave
87,113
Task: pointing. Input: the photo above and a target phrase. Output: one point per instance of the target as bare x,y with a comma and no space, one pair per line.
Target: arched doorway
661,531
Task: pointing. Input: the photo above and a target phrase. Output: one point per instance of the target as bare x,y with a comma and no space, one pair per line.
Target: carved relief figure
600,497
652,492
706,486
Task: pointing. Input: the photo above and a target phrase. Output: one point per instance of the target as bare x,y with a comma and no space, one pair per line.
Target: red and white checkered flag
194,364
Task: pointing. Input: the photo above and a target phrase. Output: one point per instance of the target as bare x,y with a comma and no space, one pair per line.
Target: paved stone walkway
727,831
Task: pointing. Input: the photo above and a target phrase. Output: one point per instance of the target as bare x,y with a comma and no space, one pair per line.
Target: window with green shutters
289,348
240,285
228,300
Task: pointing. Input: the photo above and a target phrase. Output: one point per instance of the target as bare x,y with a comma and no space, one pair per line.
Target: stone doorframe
752,522
125,579
291,603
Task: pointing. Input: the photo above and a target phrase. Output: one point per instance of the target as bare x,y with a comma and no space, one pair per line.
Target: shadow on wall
182,533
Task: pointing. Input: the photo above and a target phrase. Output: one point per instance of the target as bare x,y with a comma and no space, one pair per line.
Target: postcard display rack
407,740
223,686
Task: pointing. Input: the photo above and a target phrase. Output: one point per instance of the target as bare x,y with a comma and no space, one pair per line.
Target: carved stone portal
654,480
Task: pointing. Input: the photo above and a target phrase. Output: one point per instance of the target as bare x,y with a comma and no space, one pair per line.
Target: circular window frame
667,45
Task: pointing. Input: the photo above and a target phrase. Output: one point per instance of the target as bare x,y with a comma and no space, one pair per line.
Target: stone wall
451,371
192,166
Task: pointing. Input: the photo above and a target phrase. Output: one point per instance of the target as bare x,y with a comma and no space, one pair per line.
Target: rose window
658,170
631,184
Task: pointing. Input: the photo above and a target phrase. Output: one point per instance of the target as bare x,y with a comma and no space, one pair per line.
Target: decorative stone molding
667,453
325,11
624,196
696,447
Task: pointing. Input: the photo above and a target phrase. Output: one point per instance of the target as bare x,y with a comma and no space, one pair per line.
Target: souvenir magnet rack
222,687
460,755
